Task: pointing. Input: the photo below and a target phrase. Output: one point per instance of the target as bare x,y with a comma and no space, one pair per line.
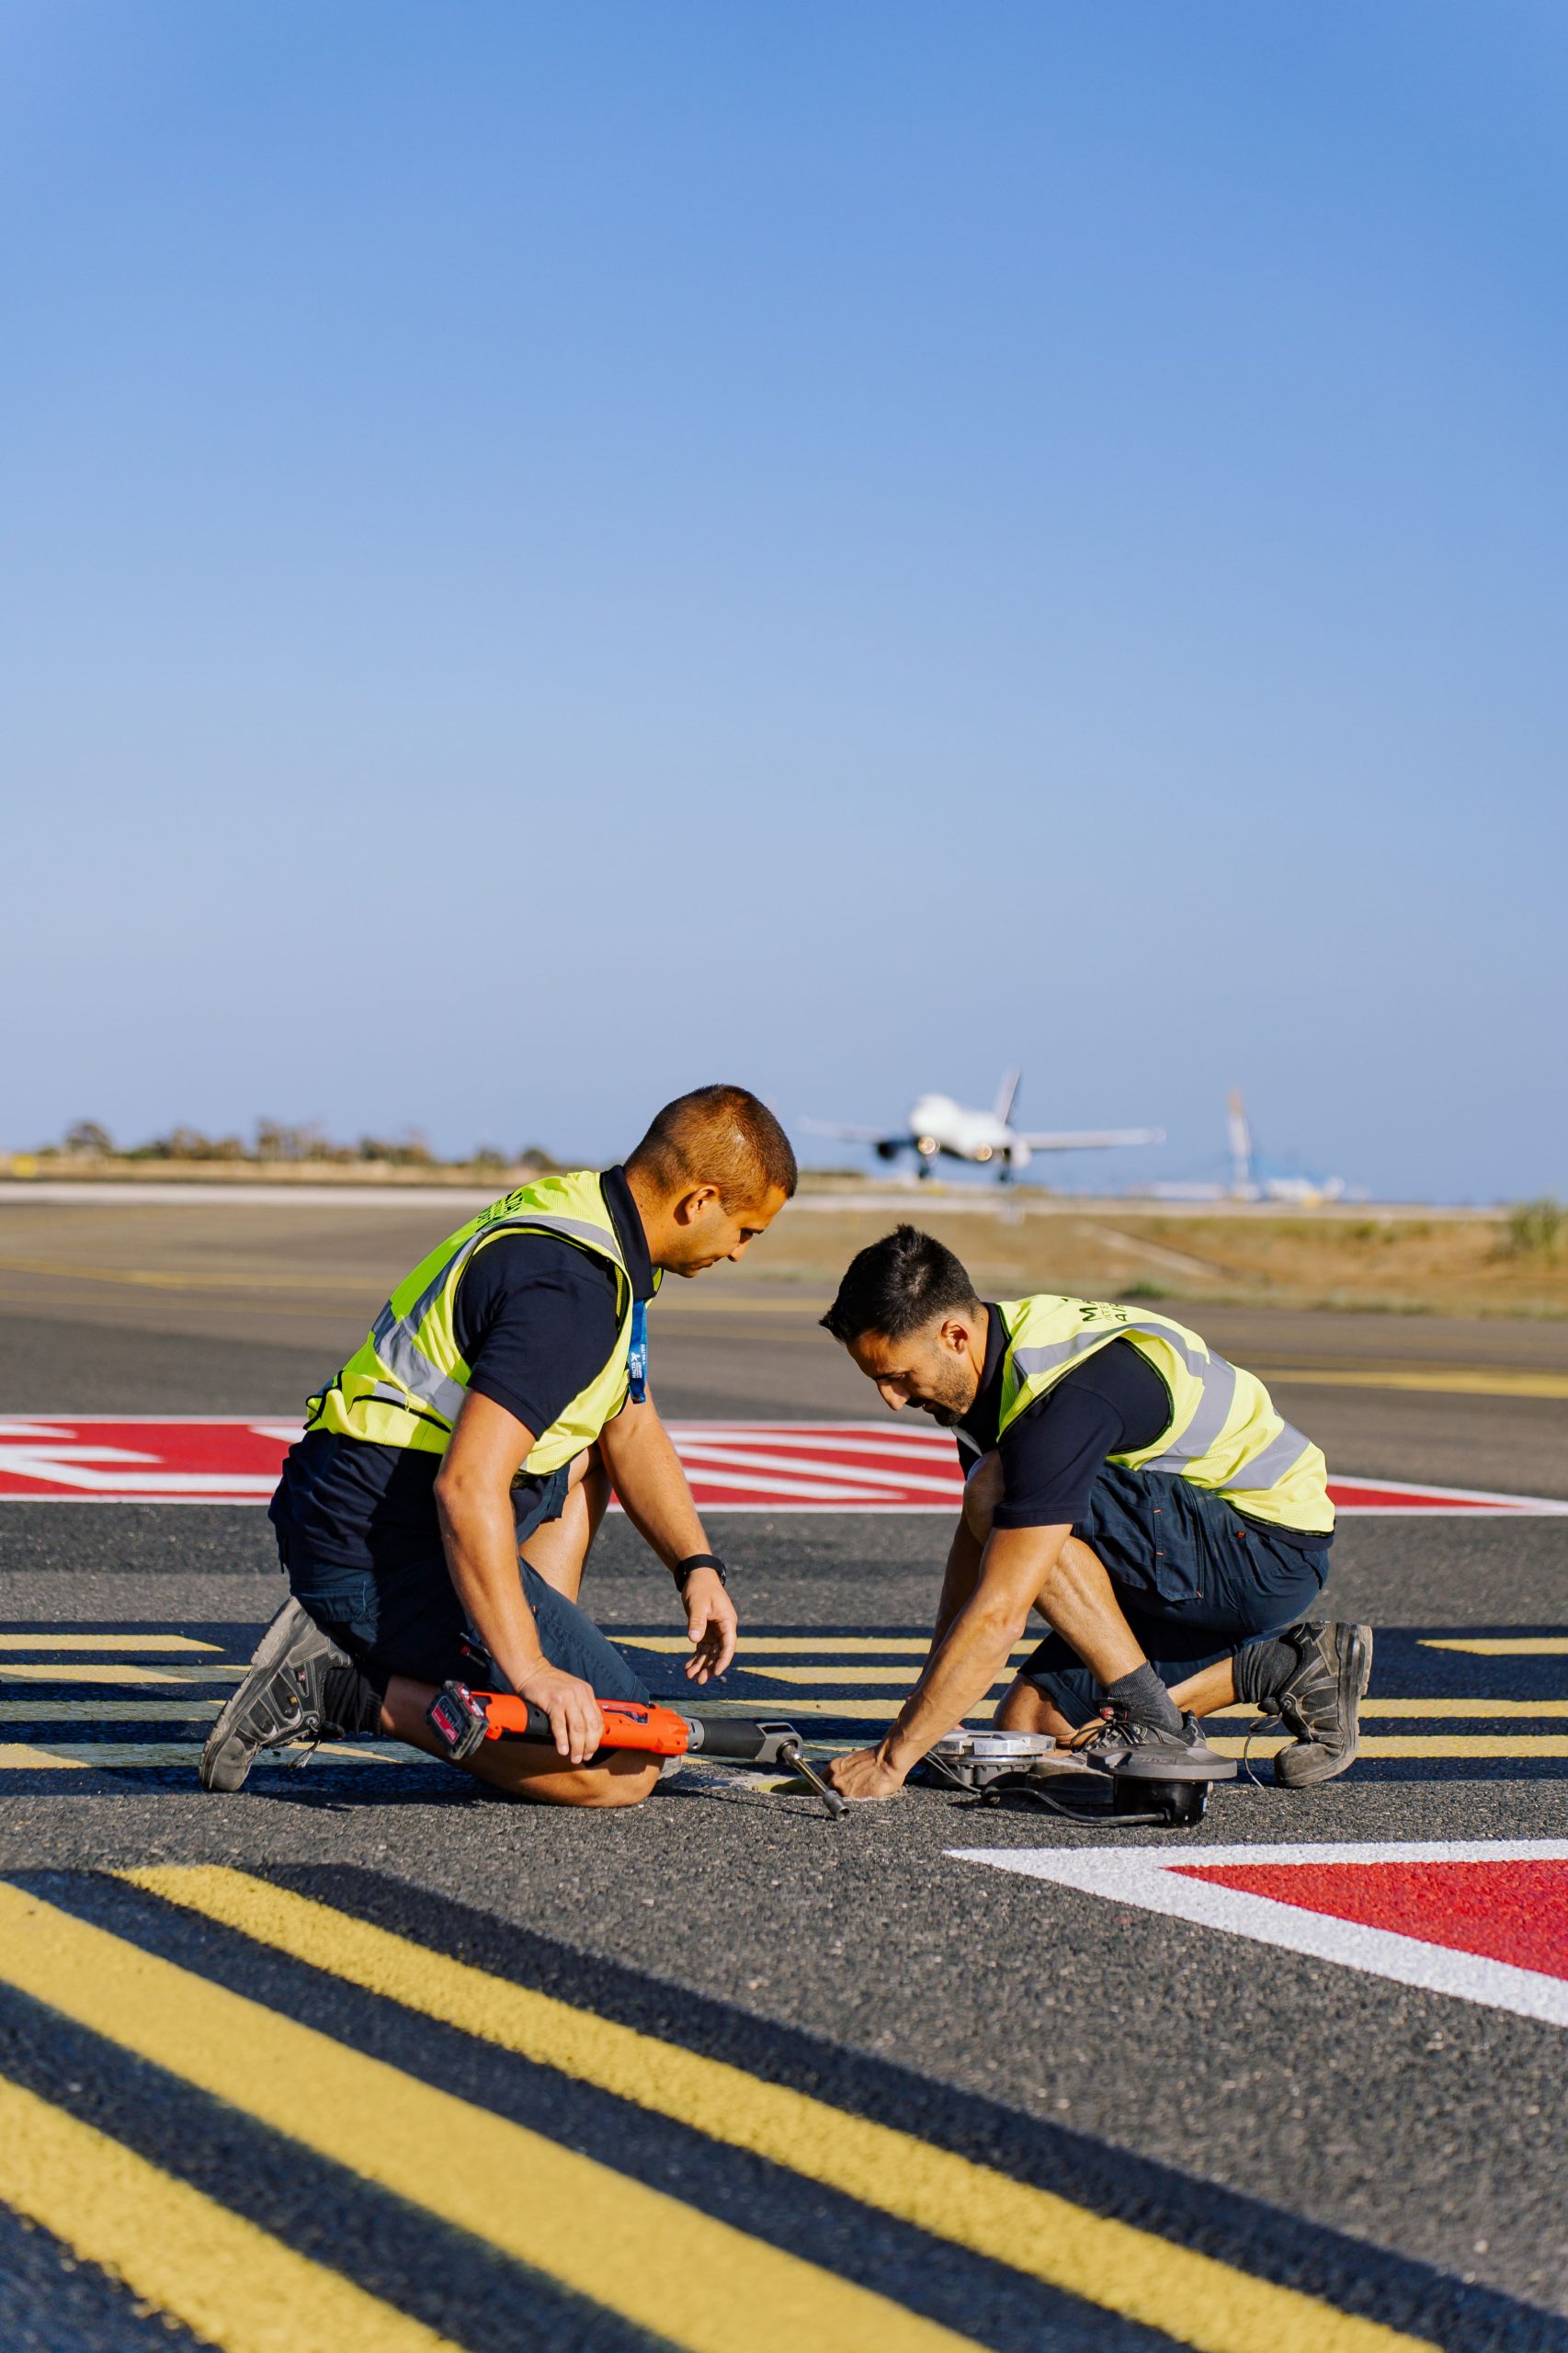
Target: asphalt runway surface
365,2045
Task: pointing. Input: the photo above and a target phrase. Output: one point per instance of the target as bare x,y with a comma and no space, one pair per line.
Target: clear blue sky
553,552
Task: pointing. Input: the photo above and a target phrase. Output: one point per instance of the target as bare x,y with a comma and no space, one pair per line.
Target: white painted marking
1153,1879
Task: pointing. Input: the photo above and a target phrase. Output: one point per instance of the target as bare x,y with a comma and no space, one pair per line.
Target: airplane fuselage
941,1126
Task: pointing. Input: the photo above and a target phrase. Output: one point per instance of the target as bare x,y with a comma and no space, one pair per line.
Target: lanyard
637,1353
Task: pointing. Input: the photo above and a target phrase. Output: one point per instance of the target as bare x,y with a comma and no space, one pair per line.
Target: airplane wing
850,1135
1092,1139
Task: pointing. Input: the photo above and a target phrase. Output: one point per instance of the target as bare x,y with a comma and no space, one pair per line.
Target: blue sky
556,552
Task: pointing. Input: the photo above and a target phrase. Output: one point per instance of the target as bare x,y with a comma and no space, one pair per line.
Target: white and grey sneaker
1130,1748
281,1697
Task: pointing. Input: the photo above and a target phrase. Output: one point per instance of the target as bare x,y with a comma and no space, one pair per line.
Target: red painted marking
1347,1497
733,1466
1515,1911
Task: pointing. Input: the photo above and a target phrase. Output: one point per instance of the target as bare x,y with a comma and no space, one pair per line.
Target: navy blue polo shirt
1114,1403
535,1318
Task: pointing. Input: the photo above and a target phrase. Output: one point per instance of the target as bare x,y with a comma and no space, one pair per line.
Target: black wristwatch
683,1568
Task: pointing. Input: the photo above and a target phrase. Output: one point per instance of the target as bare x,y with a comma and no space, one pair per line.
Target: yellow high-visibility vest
1225,1432
405,1385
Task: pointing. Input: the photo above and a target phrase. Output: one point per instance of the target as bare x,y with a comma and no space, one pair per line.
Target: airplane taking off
938,1127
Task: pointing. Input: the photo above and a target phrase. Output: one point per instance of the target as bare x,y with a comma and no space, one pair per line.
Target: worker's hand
863,1774
574,1719
712,1623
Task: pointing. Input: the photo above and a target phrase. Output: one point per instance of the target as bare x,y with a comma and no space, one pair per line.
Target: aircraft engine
1018,1157
887,1149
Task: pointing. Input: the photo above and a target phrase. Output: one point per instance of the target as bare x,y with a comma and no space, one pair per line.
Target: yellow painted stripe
813,1646
1501,1645
1191,2297
881,1711
665,2267
1396,1744
33,1670
1471,1380
85,1756
107,1711
1441,1710
833,1671
225,2280
158,1279
48,1638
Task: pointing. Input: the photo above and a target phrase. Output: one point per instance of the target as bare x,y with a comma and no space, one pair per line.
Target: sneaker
1322,1702
279,1699
1127,1745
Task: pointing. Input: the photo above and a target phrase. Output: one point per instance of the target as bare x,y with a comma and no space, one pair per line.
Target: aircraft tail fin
1240,1136
1006,1096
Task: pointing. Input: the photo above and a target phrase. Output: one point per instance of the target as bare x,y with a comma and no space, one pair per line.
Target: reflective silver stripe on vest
1218,1395
576,1226
1281,1454
401,1354
1029,1362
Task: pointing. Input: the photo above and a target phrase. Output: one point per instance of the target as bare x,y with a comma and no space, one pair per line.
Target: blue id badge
637,1353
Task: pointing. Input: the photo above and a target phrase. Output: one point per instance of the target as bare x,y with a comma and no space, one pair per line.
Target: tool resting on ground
463,1720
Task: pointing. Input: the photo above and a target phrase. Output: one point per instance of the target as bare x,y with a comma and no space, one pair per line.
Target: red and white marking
733,1466
1485,1923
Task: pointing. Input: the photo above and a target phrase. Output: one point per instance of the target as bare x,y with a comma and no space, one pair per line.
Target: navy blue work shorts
409,1621
1196,1581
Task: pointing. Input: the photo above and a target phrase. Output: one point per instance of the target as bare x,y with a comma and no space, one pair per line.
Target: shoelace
1119,1724
1267,1712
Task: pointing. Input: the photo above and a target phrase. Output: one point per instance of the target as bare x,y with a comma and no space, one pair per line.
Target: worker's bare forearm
646,1473
973,1652
958,1581
480,1537
959,1673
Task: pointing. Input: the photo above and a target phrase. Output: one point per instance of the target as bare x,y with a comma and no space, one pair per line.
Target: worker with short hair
1138,1492
435,1516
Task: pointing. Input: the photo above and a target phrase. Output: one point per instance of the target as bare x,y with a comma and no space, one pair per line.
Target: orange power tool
463,1720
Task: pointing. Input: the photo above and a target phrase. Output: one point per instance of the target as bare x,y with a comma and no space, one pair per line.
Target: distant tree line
275,1141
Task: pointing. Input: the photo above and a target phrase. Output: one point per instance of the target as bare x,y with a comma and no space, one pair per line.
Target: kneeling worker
452,1477
1138,1492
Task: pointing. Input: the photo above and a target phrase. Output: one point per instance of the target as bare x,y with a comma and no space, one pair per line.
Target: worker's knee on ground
1018,1708
616,1777
982,1493
623,1777
1027,1708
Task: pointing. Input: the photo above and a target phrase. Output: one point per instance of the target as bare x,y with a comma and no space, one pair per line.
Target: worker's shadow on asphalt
354,1790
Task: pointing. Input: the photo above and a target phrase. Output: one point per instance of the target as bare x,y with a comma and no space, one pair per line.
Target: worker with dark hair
435,1517
1138,1492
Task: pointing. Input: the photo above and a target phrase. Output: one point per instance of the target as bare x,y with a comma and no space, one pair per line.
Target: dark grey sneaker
280,1698
1132,1749
1322,1702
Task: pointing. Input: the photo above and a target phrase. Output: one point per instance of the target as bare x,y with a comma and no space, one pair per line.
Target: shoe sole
1355,1675
223,1775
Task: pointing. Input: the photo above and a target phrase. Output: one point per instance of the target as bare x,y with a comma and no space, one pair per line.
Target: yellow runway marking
1501,1645
769,1645
84,1755
1416,1743
152,1278
1198,2300
1442,1711
830,1671
882,1710
46,1640
231,2283
1477,1381
107,1711
34,1670
667,2267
